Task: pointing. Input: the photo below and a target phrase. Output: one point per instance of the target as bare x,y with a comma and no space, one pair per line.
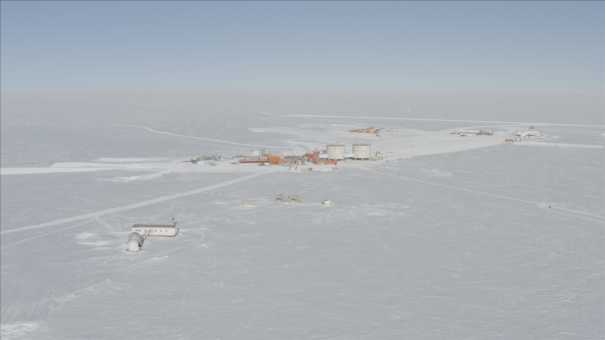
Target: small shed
135,241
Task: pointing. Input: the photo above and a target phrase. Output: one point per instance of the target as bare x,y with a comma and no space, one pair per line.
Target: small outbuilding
135,241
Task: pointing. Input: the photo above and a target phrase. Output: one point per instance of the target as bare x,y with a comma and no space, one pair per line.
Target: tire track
132,206
205,139
561,210
417,119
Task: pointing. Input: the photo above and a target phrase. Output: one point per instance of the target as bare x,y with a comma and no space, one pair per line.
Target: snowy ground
449,237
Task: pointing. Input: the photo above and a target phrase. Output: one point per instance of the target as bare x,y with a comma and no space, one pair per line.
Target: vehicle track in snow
46,234
132,206
440,120
560,210
205,139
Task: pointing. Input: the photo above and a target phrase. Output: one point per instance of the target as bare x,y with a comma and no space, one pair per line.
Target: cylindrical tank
336,152
135,241
361,151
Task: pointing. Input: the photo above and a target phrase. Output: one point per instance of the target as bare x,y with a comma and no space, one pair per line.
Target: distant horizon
466,60
564,107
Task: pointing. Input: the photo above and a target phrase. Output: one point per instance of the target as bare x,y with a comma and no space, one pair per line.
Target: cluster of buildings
369,130
521,135
331,155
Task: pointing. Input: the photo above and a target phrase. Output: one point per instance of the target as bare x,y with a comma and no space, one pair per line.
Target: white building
336,152
361,151
164,230
473,132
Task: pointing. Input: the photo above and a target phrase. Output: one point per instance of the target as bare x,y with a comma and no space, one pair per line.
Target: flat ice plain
448,238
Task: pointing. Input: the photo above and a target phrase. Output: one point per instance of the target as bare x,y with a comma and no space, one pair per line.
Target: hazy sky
337,46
